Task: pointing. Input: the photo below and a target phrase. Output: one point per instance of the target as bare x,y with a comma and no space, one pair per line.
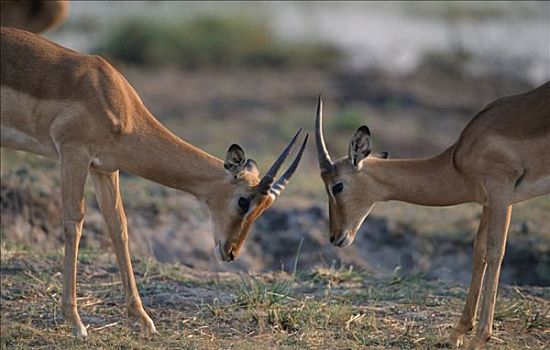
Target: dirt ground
329,308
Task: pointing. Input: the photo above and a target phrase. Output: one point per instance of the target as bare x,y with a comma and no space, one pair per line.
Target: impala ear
359,146
235,160
252,166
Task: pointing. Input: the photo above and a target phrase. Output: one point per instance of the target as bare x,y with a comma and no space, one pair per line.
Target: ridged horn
280,185
269,177
325,164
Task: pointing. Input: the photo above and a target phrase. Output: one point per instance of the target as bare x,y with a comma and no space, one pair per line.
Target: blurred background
249,72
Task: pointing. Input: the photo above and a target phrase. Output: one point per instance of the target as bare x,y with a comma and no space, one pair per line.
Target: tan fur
77,108
502,157
36,16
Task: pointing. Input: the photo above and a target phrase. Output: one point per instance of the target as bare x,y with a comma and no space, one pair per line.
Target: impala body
502,157
77,108
35,16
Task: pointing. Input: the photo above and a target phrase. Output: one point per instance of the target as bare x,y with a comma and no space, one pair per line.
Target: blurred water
511,38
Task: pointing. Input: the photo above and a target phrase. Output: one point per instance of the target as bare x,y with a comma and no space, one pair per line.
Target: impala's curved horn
280,185
269,177
325,164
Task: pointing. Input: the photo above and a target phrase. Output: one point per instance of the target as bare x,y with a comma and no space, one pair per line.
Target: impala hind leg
108,195
498,222
74,170
479,258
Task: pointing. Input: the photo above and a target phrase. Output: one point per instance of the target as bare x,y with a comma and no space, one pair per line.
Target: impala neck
430,181
155,153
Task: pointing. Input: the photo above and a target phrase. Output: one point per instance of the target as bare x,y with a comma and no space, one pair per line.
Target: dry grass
329,308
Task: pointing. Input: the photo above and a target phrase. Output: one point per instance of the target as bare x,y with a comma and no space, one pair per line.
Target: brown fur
36,16
500,158
77,108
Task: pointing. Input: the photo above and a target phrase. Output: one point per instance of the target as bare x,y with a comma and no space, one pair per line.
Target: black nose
332,239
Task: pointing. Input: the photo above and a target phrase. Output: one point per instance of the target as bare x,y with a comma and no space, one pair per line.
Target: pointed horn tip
323,156
268,179
278,187
305,138
300,152
293,140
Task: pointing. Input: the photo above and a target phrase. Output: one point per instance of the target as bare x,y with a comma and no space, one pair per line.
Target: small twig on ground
105,326
28,274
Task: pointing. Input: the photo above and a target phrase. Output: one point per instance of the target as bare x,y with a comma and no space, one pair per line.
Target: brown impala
35,16
502,157
77,108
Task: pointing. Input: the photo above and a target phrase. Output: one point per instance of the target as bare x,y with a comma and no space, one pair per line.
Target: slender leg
74,170
110,202
467,320
498,222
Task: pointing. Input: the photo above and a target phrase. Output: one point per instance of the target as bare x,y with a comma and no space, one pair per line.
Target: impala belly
534,189
532,185
15,139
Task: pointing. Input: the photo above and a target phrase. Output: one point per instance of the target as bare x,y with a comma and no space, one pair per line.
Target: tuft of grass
524,311
253,291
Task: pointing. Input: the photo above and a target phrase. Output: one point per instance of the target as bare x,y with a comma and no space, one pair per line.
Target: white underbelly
531,189
16,139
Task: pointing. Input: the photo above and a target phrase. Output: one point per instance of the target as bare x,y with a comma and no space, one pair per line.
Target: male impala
77,108
502,157
35,16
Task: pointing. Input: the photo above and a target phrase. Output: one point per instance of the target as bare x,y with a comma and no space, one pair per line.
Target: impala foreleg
74,169
479,258
110,202
498,222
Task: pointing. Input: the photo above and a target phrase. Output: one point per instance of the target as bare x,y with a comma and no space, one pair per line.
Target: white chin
346,242
218,253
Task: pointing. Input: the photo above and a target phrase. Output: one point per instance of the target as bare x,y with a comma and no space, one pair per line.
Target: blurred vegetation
211,41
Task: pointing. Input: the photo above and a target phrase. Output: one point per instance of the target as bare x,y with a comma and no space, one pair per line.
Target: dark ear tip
364,129
234,147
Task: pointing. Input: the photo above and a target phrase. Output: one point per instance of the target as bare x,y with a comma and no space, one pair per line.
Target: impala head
240,200
351,191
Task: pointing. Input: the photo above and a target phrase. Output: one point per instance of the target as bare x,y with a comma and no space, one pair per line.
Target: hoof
456,340
147,327
79,331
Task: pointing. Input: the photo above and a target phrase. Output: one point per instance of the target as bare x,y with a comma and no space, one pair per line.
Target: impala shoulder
109,93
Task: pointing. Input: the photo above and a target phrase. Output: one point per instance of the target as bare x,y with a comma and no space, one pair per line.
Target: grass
326,307
253,291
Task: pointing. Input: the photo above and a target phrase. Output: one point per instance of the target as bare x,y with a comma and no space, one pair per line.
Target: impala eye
244,204
339,187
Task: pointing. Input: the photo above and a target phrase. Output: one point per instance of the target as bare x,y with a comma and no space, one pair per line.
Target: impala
77,108
502,157
35,16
